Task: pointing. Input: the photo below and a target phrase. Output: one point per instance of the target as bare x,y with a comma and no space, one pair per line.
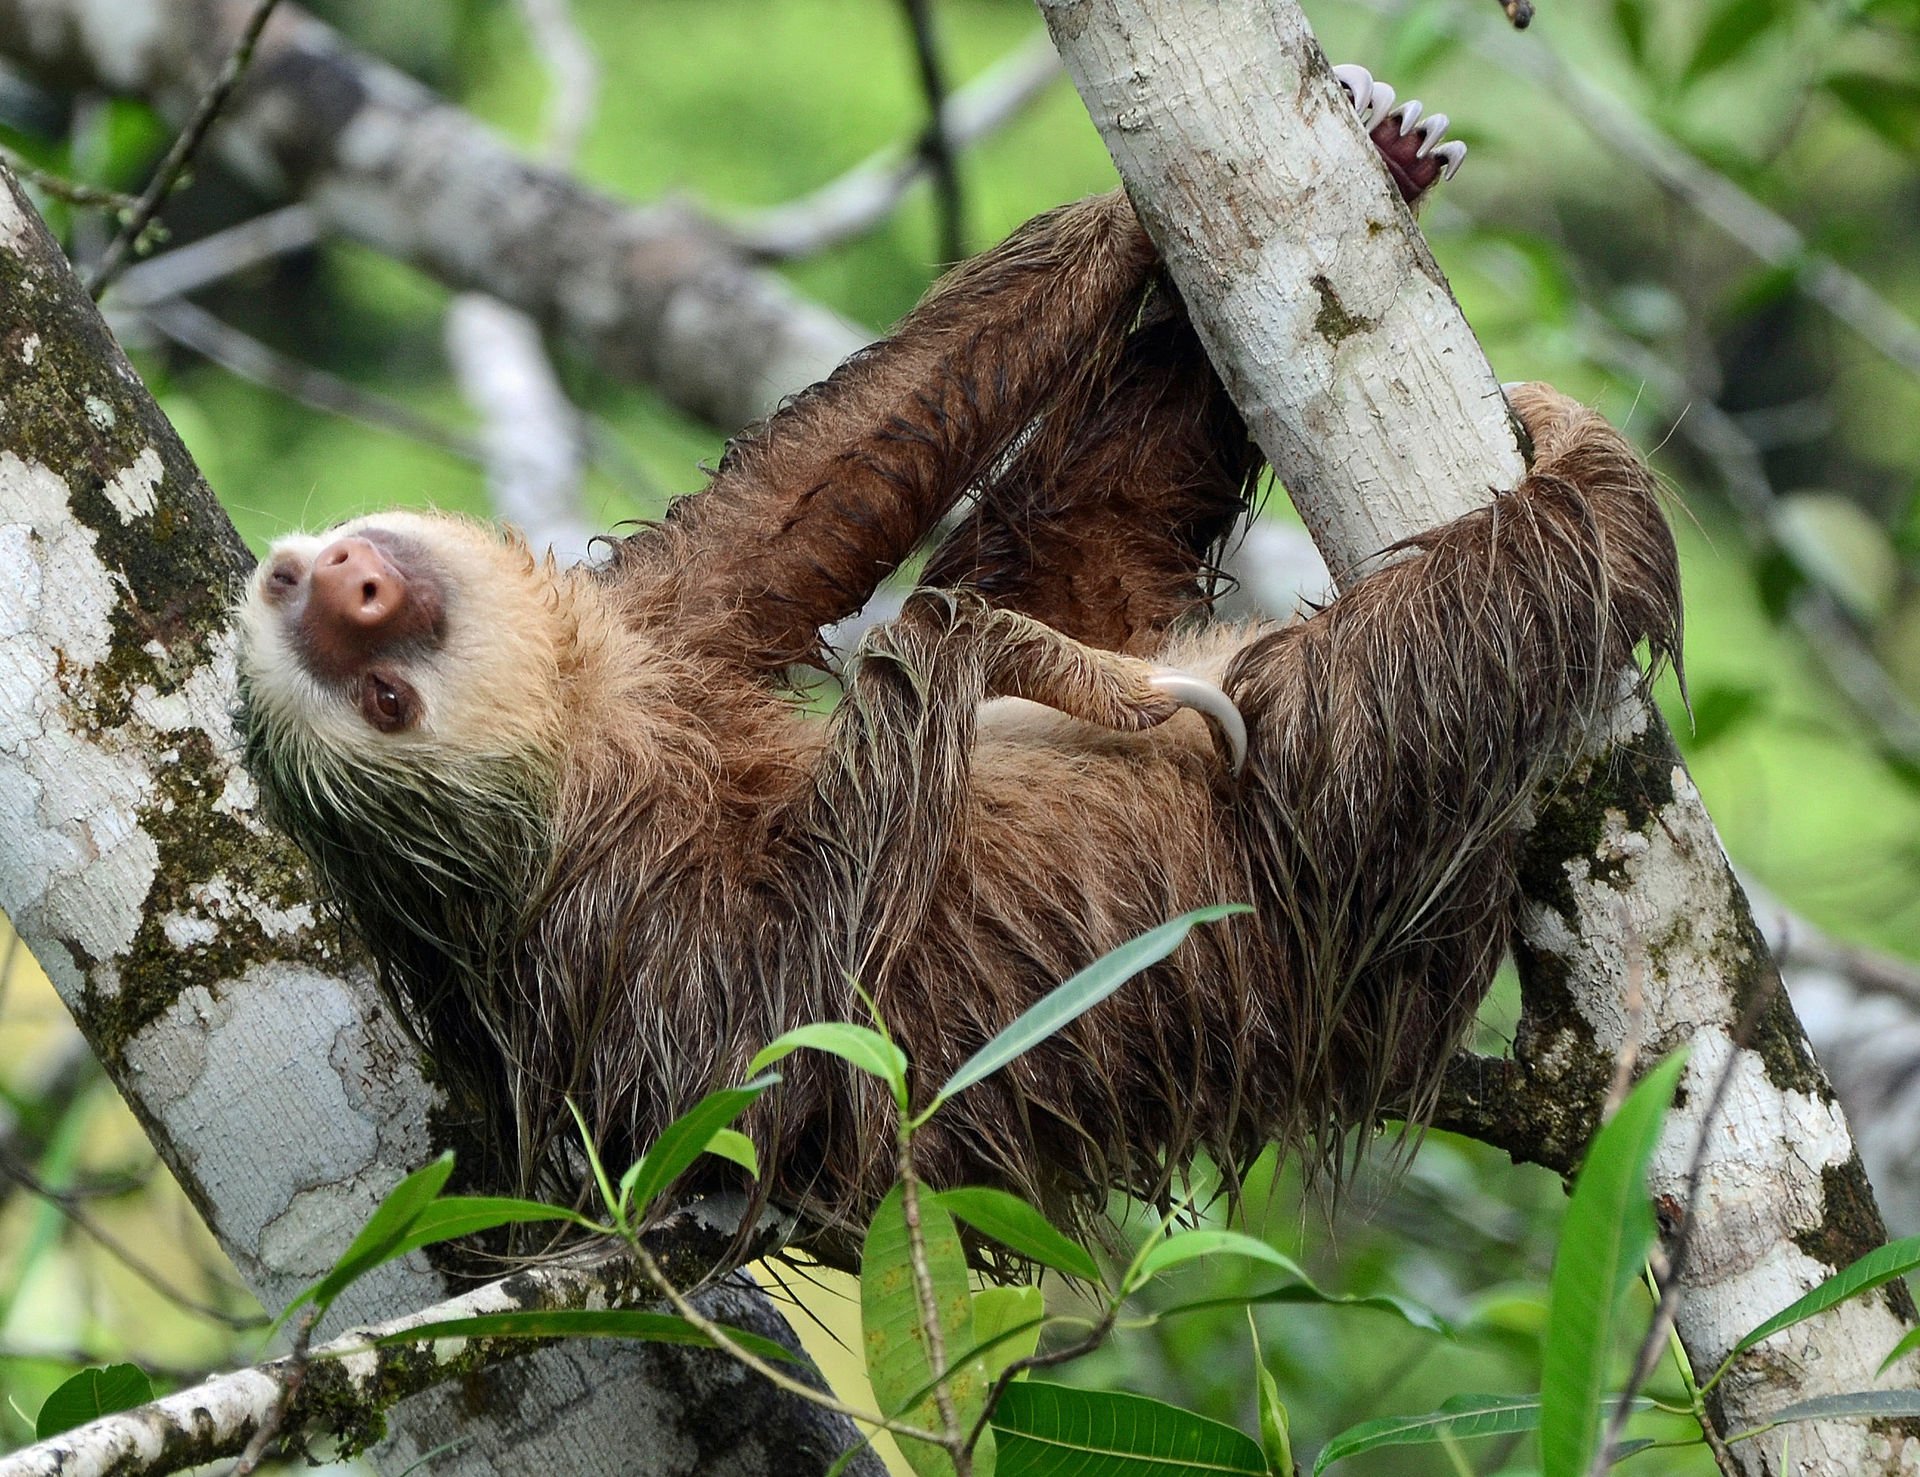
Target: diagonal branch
856,202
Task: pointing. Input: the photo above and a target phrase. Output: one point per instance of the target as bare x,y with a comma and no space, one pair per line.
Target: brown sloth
601,854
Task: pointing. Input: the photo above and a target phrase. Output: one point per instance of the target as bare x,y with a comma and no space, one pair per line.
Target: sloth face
404,640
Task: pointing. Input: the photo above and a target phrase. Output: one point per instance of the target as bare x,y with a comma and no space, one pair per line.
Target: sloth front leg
881,815
1028,659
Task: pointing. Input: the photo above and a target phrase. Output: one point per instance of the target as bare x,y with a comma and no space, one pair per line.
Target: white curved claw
1357,80
1450,155
1430,129
1371,99
1211,703
1409,114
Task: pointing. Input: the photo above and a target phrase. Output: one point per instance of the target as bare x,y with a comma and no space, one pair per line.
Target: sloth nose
357,585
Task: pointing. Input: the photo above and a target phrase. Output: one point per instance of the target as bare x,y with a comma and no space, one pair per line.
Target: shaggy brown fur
601,855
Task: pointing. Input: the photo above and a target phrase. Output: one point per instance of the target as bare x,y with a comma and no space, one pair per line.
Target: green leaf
1190,1246
91,1394
1406,1309
1875,1269
1067,1002
893,1331
1462,1418
584,1323
1856,1405
1906,1346
1890,106
1276,1430
1006,1326
1729,34
380,1238
454,1216
607,1195
1054,1429
1603,1245
1020,1228
731,1144
683,1141
863,1046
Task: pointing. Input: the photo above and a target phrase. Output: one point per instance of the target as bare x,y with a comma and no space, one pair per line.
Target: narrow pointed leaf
1079,995
1900,1350
1603,1245
380,1237
1187,1246
90,1394
1020,1228
1856,1405
683,1141
1276,1429
1046,1429
1875,1269
584,1323
1416,1314
1462,1419
894,1333
862,1046
453,1216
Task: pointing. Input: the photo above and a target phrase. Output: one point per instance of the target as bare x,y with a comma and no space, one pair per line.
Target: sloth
602,854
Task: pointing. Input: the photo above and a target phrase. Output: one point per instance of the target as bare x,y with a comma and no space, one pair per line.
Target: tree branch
345,1388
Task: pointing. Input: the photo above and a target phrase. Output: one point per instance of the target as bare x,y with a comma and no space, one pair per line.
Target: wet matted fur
609,858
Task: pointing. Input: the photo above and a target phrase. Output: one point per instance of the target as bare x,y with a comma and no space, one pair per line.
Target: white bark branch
1338,337
344,1388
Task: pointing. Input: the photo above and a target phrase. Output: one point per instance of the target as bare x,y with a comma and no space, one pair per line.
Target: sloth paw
1409,139
1189,691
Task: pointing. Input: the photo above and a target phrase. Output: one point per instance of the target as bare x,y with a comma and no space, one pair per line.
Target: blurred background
1699,215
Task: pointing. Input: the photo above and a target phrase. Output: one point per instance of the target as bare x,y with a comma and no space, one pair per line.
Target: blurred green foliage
1571,262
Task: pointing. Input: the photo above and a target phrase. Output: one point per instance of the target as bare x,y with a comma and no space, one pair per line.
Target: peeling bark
236,1021
1340,340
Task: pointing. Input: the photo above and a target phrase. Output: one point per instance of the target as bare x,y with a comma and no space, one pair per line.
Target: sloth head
403,693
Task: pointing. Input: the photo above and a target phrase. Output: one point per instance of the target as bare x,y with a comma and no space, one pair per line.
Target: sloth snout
356,585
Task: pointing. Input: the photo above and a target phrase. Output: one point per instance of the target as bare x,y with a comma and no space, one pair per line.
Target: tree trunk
1339,339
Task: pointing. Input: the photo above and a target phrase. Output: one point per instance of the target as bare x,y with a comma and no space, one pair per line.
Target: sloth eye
388,703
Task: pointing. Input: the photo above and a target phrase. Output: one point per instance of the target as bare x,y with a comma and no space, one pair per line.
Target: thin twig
856,202
239,353
298,1361
780,1379
936,1336
184,147
1667,1276
187,269
120,1252
1094,1339
88,197
935,147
